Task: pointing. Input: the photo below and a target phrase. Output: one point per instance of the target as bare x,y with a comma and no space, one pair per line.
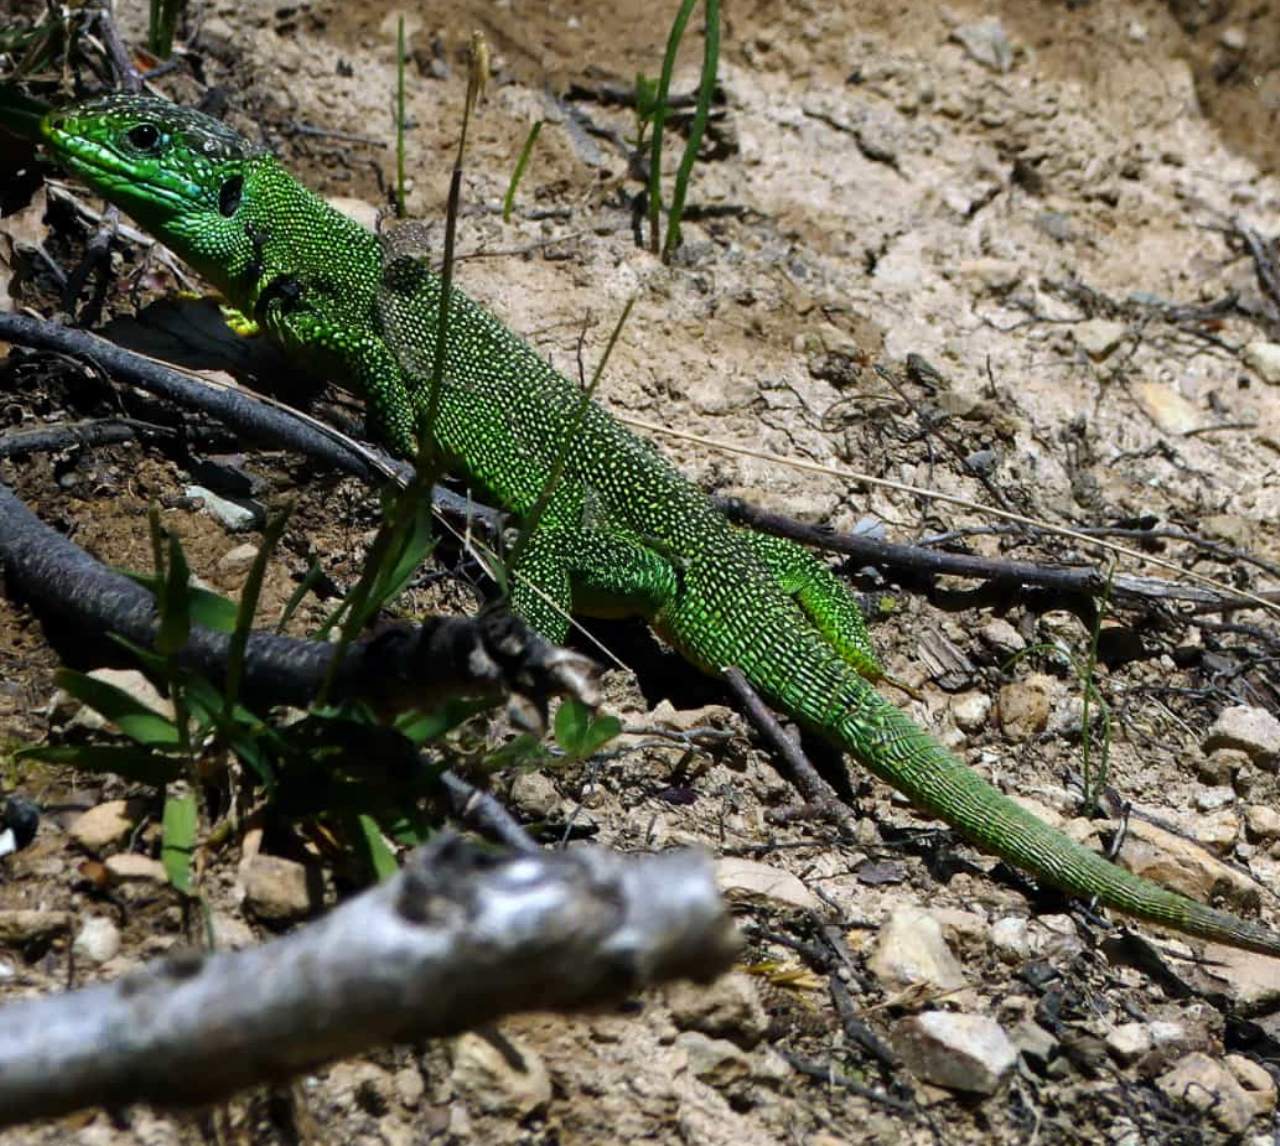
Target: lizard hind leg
593,571
823,597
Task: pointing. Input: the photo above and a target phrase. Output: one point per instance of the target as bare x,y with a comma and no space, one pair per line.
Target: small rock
1129,1042
1206,1085
749,881
1235,39
1263,358
1256,1082
1222,765
409,1087
1168,409
1034,1042
234,516
1181,865
238,561
970,710
1250,981
1211,799
1011,939
728,1008
1023,707
1217,831
1001,636
22,925
130,867
715,1061
966,931
276,889
1263,821
230,932
534,794
986,42
489,1081
960,1052
1098,337
97,941
998,276
911,952
1254,731
683,719
106,825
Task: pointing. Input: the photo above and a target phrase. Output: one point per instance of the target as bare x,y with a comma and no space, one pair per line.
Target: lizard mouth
119,177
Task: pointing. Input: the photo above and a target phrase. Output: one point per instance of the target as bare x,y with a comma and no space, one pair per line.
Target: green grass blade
509,200
308,582
381,858
249,606
206,608
137,764
706,91
178,839
659,117
130,715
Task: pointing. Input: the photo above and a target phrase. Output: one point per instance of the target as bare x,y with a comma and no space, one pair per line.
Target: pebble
911,952
106,825
515,1084
1180,864
130,867
970,710
1168,409
987,43
238,561
534,794
1034,1042
728,1008
1023,707
1263,358
1263,821
749,881
97,941
1099,337
1256,1082
1206,1085
1249,981
716,1062
1129,1042
276,889
233,516
1000,635
21,925
957,1051
1254,731
1211,799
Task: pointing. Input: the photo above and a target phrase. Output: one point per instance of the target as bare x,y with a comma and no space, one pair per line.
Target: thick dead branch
457,939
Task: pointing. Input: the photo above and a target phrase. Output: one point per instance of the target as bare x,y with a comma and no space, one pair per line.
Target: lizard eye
229,195
144,136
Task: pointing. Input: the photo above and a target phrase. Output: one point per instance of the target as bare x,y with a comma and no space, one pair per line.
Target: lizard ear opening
229,195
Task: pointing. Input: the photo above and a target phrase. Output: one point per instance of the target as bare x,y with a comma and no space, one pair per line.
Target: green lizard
623,532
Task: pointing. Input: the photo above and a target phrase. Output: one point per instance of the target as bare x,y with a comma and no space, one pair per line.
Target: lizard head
175,170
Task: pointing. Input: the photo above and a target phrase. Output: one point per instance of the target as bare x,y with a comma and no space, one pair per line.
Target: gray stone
106,825
130,867
716,1062
238,561
534,794
749,881
235,516
1099,337
728,1008
970,710
1256,1082
1209,1087
960,1052
97,941
1263,358
1254,731
277,889
1129,1042
21,925
986,42
494,1083
911,952
1250,981
1263,821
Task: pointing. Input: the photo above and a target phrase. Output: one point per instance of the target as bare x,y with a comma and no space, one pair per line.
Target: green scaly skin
624,532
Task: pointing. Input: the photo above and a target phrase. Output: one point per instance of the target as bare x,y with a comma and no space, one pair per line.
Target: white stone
744,880
97,941
911,952
491,1082
1263,358
1099,337
1252,730
960,1052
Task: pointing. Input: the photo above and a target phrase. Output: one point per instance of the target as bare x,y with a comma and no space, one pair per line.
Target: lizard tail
816,687
889,744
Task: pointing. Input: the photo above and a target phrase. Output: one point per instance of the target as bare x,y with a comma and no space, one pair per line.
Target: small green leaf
601,730
178,839
206,608
175,610
381,858
139,765
131,716
572,721
422,727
